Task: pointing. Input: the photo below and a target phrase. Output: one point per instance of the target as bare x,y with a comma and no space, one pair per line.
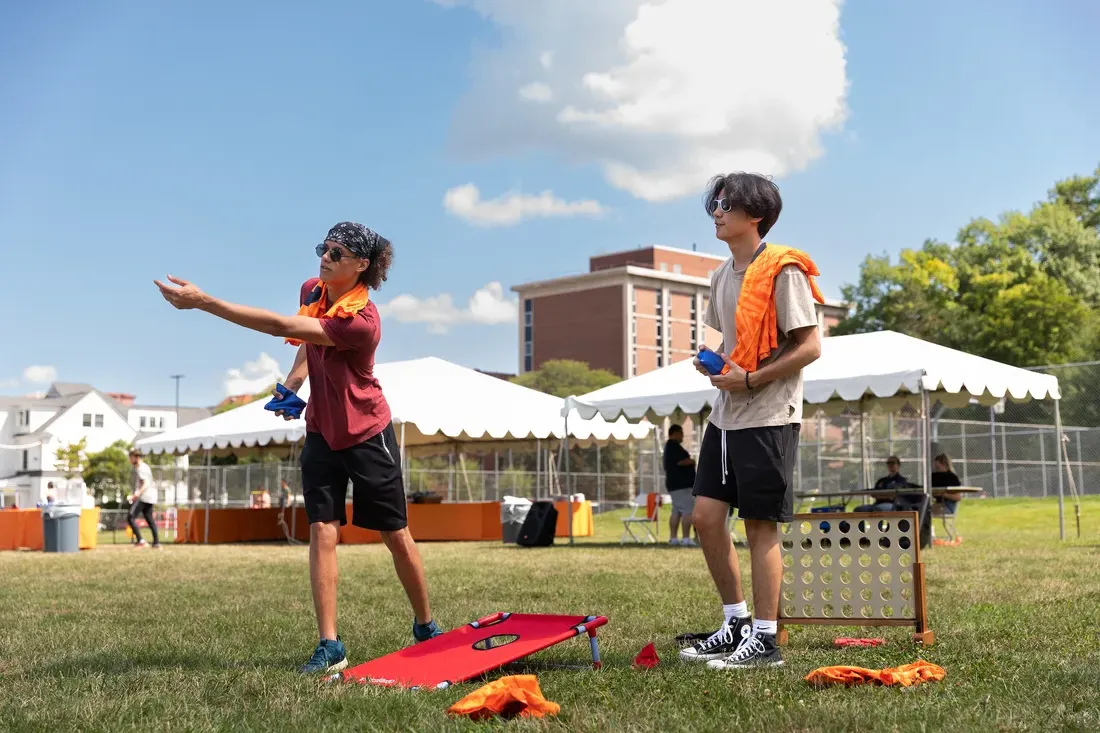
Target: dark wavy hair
379,267
752,193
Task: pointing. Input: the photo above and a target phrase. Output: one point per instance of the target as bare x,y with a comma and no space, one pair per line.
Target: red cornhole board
473,649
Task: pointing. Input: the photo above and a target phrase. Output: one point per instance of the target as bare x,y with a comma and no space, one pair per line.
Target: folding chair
648,508
947,518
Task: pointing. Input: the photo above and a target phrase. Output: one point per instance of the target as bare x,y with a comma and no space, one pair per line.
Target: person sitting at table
944,477
893,480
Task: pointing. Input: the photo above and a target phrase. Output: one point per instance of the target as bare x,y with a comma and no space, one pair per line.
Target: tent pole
926,442
864,460
404,467
568,490
656,491
1061,478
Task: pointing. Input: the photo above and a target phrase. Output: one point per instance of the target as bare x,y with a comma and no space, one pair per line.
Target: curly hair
379,266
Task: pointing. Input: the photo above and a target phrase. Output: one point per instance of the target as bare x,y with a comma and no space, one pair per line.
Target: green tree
107,472
70,459
565,377
1023,290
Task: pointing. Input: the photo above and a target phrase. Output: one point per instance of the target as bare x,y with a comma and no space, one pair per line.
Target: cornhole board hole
854,569
474,649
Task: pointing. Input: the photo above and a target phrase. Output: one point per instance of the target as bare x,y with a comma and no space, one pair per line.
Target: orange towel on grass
507,697
907,675
756,324
347,306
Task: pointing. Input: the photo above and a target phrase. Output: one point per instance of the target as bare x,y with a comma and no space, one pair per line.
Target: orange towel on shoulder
347,306
757,333
907,675
507,697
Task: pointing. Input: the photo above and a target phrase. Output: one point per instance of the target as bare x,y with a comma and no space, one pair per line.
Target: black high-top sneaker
721,643
758,650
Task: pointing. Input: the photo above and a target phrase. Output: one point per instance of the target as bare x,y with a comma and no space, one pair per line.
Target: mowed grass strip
207,638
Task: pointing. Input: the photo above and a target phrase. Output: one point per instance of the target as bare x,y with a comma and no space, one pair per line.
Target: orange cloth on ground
346,306
507,697
756,324
906,675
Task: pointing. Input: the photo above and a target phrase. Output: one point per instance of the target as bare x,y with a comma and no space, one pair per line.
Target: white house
34,427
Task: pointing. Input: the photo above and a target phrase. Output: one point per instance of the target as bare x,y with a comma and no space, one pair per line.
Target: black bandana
359,240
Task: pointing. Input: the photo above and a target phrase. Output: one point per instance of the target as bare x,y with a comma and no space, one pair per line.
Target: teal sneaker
423,632
327,657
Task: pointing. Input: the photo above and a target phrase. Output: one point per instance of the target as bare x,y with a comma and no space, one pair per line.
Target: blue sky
219,142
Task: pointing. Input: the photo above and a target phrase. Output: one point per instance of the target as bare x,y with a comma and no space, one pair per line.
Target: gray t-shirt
778,402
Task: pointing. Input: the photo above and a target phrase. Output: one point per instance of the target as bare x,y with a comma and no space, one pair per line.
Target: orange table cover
22,529
477,521
906,675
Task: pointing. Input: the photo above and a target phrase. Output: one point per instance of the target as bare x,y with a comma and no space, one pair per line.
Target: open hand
184,297
731,381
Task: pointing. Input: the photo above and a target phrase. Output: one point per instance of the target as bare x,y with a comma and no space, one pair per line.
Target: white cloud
466,203
253,377
40,374
536,92
660,95
487,306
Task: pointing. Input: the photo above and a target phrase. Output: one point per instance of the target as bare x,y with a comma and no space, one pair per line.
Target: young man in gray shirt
750,446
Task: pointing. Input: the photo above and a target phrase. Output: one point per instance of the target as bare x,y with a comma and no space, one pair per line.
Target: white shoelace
724,635
748,648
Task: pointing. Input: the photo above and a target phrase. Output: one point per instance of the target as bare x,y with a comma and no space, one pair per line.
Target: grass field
206,638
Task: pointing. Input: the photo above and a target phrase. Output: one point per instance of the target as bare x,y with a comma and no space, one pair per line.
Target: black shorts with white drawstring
750,469
374,470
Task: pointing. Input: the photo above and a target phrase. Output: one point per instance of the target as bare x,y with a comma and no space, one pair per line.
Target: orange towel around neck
907,675
507,697
757,333
346,306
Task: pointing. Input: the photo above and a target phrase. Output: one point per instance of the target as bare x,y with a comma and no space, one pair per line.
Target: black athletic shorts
759,475
374,469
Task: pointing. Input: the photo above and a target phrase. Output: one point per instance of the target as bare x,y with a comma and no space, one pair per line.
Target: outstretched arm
188,296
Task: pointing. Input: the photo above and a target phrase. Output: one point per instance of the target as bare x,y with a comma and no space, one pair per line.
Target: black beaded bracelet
747,385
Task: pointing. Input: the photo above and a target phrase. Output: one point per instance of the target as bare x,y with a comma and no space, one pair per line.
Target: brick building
631,313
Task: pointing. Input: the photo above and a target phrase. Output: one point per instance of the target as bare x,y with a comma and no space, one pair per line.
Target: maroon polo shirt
346,405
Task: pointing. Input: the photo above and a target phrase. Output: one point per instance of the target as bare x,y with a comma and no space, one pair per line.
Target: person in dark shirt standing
349,435
679,481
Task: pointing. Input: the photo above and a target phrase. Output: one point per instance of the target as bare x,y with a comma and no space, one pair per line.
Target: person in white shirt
142,500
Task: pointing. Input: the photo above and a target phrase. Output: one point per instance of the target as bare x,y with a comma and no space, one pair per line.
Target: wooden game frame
819,550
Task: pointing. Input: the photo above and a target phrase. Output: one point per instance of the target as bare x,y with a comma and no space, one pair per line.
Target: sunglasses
333,254
724,203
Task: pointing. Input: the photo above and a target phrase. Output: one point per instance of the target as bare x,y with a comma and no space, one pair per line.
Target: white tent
884,369
432,401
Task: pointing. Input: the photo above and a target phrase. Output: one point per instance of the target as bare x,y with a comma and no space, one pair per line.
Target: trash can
513,512
61,528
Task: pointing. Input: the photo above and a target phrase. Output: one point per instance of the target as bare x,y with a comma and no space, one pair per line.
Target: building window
87,420
25,454
710,274
664,267
99,421
143,421
160,422
660,360
676,269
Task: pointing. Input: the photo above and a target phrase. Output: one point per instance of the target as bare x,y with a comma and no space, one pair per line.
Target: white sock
735,610
765,627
